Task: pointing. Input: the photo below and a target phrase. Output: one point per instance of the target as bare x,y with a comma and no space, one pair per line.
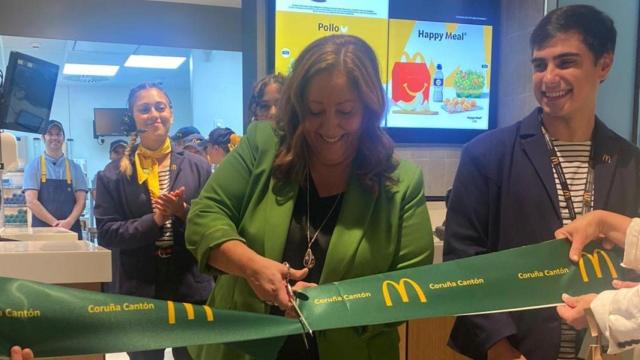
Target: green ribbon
55,321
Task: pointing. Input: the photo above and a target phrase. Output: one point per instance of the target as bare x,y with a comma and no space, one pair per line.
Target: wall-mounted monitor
27,93
436,58
109,122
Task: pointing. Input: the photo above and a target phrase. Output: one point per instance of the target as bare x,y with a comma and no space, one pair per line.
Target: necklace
309,259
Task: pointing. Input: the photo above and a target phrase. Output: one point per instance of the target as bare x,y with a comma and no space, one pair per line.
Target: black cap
51,123
115,143
183,132
220,136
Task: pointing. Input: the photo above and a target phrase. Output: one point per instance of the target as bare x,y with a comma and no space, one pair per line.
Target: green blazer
374,234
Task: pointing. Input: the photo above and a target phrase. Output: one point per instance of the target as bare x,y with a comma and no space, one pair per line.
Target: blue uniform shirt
55,170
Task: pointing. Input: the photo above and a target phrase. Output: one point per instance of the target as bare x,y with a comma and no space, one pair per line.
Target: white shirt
618,311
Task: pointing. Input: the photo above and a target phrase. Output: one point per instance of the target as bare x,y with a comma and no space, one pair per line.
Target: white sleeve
618,315
618,311
632,246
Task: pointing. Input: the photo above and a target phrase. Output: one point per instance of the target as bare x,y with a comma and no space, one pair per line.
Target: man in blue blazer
509,190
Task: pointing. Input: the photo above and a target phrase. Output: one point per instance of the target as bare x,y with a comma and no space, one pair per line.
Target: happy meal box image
410,85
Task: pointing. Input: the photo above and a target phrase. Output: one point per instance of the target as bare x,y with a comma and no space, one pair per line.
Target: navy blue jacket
125,222
504,196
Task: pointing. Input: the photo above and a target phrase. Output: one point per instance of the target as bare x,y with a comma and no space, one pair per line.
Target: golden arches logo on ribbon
189,310
594,258
401,288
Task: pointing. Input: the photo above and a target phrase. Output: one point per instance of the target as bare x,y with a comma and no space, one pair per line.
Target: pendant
309,260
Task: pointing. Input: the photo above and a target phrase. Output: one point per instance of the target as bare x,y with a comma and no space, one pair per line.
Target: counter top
37,233
55,262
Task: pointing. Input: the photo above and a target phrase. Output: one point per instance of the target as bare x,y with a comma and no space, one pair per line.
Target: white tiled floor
123,356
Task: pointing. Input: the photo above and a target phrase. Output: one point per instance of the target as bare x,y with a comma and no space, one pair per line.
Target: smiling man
55,187
517,184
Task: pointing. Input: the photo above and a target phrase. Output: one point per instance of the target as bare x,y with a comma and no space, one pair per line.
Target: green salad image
469,83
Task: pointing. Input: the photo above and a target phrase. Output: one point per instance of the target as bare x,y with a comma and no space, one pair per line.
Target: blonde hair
125,163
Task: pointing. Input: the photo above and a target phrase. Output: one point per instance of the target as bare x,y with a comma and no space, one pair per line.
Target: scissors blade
303,321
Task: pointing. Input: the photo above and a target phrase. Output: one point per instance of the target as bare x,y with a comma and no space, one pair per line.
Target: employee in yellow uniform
55,187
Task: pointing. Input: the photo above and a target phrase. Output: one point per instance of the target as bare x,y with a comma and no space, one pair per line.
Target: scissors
292,298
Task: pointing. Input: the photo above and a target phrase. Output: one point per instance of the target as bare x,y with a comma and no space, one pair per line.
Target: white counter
55,262
37,234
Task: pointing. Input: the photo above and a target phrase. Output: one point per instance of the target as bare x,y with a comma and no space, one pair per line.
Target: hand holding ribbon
267,278
292,312
573,310
18,353
597,224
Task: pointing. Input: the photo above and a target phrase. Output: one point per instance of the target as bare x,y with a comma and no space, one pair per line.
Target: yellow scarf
147,166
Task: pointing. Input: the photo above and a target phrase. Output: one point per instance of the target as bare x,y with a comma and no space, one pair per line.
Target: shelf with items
16,206
18,218
12,179
13,198
14,209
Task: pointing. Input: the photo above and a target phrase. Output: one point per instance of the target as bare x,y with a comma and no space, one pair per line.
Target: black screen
109,121
27,93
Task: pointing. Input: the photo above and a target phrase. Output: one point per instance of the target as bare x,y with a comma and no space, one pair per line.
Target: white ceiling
61,51
70,51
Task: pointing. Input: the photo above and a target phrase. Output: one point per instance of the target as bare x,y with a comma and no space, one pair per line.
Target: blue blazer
504,196
125,221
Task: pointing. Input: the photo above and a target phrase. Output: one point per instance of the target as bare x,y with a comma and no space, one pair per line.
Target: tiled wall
515,98
438,163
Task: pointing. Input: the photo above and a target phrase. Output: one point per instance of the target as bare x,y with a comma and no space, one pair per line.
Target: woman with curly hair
263,104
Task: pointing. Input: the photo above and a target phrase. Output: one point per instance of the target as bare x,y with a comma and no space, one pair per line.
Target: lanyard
43,170
566,192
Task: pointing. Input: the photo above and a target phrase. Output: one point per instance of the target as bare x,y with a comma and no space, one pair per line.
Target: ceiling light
90,69
154,62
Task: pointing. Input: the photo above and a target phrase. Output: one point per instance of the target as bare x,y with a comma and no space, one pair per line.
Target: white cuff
600,307
632,246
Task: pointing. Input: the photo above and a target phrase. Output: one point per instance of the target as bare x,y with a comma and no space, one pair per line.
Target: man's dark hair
221,137
596,28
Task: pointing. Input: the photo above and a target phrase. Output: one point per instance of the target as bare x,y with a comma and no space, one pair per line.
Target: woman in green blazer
320,191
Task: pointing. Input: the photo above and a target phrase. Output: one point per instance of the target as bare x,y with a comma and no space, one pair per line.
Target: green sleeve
215,215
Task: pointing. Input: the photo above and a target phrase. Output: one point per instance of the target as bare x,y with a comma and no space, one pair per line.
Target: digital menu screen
435,57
